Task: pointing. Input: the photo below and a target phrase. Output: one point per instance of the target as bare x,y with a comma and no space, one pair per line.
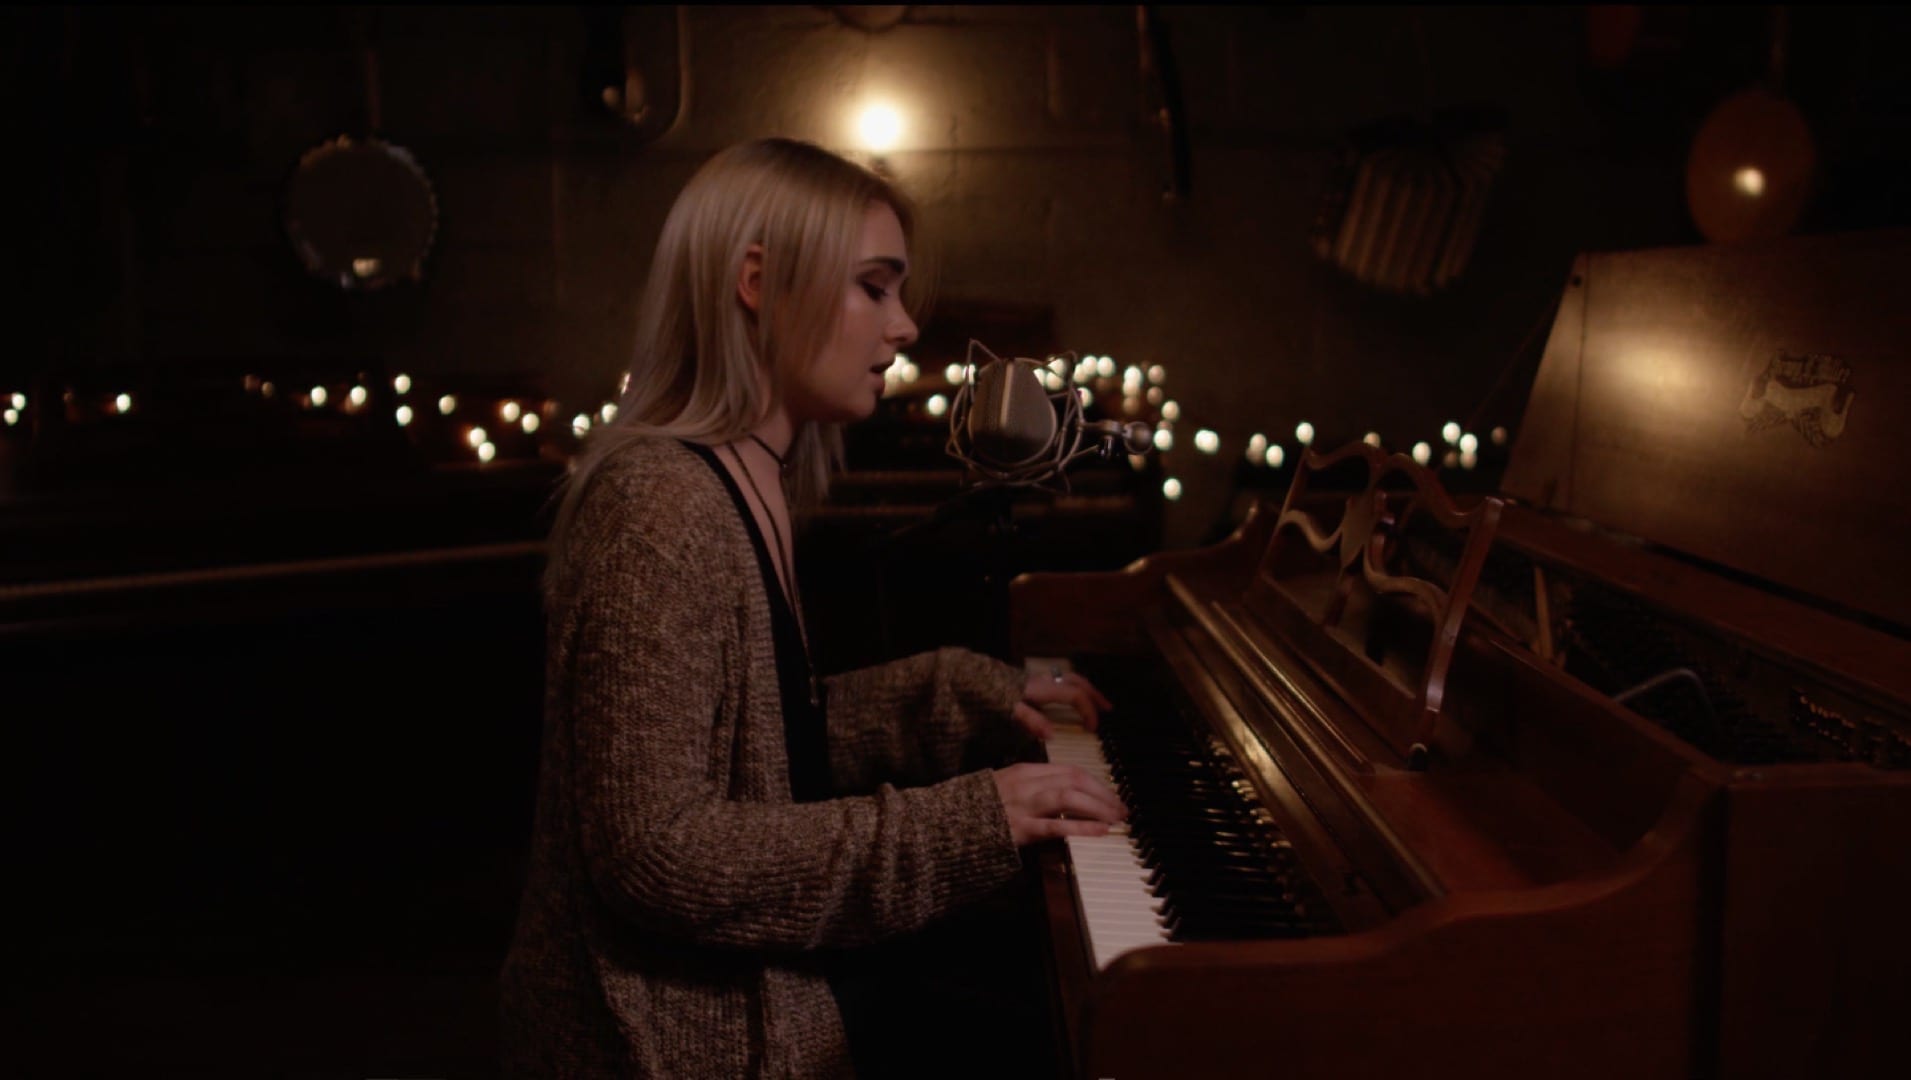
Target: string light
266,389
404,416
952,374
1372,438
446,404
1171,489
1450,432
1170,410
1422,453
1207,441
401,383
319,396
529,423
476,437
608,412
12,416
1105,367
1498,436
1276,457
1449,459
509,412
1155,395
124,403
937,405
1164,439
1469,443
1468,459
581,425
1304,433
486,451
1087,396
19,401
357,396
1157,373
1256,448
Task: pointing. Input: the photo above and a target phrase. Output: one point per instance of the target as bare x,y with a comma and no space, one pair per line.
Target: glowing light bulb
319,396
476,437
1105,367
909,373
952,374
1171,410
1087,396
1749,181
404,416
1469,443
879,127
1450,432
1276,457
1058,365
12,417
486,451
581,425
1449,459
401,383
1422,453
608,412
529,423
19,401
1138,461
623,384
1207,441
1372,438
1256,448
1304,433
509,412
1498,435
365,267
1155,395
1468,459
1171,489
446,405
1157,373
123,403
937,405
1164,440
1131,376
266,389
357,396
1085,370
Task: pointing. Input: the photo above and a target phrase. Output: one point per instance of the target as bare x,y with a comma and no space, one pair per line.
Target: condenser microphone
1011,419
1005,427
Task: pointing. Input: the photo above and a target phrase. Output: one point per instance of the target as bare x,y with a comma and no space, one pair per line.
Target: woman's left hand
1060,689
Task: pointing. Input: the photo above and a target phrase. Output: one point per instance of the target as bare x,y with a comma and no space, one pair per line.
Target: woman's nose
902,331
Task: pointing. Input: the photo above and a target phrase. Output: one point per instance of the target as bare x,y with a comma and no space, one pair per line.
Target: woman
713,821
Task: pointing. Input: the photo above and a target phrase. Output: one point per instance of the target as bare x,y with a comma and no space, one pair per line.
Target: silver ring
1056,671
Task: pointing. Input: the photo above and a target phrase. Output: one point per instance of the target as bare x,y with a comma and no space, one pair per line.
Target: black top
805,735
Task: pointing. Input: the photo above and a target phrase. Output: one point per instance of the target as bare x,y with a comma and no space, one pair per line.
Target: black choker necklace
782,465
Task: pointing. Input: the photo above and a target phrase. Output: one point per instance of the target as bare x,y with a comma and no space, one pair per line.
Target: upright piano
1603,775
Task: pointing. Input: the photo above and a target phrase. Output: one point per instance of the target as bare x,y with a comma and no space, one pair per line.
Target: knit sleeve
922,718
661,843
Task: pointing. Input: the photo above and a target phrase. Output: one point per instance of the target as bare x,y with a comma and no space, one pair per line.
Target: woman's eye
876,292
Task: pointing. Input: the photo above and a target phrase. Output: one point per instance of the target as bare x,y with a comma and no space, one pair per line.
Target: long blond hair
694,368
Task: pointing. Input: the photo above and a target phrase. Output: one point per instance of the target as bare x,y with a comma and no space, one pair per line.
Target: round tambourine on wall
360,213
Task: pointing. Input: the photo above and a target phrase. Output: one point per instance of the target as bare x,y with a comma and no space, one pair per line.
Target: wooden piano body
1534,877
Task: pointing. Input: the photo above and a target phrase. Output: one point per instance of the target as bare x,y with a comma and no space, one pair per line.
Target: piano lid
1748,405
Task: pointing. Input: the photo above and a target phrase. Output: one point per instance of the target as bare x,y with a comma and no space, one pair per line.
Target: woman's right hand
1046,801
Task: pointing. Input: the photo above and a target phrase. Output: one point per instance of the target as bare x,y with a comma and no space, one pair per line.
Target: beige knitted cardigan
680,907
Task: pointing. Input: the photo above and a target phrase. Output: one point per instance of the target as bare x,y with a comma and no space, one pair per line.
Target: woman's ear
750,278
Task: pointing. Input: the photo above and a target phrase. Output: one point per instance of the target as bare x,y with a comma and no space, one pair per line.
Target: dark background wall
283,824
155,145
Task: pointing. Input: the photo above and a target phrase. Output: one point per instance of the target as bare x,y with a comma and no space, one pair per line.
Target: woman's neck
778,432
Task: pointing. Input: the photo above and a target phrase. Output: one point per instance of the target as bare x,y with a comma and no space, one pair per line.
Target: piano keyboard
1199,860
1119,911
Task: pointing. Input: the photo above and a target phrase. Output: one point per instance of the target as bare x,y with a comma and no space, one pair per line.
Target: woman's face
846,379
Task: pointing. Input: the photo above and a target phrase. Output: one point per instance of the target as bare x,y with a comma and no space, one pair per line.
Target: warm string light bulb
447,405
937,405
401,383
476,437
1422,453
404,416
529,423
1304,433
509,412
